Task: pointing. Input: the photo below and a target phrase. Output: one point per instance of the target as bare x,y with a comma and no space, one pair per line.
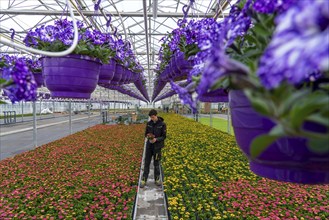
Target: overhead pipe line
46,53
147,41
78,13
94,23
92,13
155,9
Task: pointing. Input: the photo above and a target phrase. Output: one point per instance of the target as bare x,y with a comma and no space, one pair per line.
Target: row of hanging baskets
177,69
76,76
97,59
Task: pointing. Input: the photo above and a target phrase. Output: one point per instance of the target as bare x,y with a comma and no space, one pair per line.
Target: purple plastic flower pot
107,71
72,76
218,95
288,159
129,76
164,75
38,79
158,88
119,74
134,77
182,64
175,74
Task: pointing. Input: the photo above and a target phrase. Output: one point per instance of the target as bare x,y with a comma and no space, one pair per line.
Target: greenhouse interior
164,109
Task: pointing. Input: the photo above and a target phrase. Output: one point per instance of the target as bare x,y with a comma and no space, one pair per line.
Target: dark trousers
156,154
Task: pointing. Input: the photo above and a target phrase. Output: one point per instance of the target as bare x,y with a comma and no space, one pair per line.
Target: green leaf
320,146
260,30
262,142
259,104
2,81
318,118
291,99
306,106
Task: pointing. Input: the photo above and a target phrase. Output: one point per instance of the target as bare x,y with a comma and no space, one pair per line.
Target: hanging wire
208,8
220,9
64,10
46,53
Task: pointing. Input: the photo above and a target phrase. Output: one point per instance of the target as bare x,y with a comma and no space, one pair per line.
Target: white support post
22,111
70,116
34,125
228,121
210,116
40,109
89,106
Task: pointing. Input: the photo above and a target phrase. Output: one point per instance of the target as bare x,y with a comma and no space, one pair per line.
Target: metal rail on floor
150,202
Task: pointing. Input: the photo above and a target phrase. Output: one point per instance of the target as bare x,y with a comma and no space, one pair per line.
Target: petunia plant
59,37
277,53
34,64
193,38
16,79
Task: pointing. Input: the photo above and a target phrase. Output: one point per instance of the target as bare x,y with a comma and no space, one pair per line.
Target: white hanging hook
46,53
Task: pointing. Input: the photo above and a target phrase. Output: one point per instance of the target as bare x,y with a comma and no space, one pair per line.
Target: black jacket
159,129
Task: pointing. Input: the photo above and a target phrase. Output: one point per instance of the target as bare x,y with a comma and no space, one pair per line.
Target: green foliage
290,107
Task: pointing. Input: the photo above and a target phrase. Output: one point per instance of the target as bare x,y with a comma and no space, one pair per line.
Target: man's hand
153,140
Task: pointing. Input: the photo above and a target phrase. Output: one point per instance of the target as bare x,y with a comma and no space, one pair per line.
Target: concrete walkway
222,116
150,201
18,138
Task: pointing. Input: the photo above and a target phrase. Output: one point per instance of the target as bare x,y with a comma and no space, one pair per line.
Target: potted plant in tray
75,75
273,57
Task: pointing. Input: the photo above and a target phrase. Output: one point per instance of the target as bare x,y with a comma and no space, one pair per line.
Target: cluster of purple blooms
299,45
298,48
200,34
20,81
33,63
61,31
60,36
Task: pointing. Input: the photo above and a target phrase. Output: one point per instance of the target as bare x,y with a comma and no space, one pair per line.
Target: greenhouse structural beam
92,13
23,52
120,33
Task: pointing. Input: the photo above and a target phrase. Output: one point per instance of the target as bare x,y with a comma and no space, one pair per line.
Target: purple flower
184,95
220,66
23,86
236,24
271,6
31,39
33,64
299,45
59,37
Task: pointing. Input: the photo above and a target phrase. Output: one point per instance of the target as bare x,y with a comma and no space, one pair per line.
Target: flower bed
207,177
92,174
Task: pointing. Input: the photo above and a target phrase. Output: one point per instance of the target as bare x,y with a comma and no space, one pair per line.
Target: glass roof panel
127,15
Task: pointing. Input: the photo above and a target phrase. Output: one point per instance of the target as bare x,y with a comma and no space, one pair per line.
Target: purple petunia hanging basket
72,76
218,95
107,72
288,159
38,79
119,75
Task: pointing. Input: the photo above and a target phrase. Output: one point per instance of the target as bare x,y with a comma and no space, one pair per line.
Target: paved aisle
150,201
18,138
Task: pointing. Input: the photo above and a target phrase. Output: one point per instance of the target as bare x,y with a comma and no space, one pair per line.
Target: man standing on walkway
155,132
